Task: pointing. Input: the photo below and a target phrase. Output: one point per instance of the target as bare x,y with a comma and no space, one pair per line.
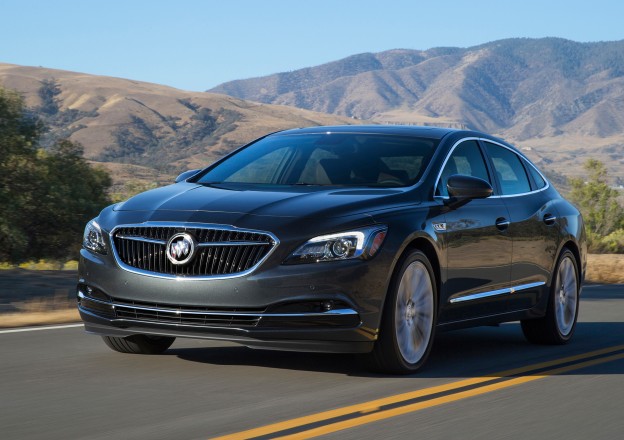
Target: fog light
327,306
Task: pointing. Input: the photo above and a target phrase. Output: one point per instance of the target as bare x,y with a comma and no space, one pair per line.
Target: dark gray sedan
359,239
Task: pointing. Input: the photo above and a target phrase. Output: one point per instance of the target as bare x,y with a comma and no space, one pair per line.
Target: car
345,239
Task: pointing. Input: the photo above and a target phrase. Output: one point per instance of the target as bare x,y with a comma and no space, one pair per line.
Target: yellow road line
365,419
369,411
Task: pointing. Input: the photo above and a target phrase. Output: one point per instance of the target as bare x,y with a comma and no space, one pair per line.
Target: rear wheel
557,326
139,344
408,321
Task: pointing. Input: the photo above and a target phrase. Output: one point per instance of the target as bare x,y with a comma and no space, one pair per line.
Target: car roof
408,130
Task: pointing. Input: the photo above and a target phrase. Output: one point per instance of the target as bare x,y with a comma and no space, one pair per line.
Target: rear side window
537,177
509,169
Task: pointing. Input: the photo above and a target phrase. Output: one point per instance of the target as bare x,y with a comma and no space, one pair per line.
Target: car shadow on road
472,352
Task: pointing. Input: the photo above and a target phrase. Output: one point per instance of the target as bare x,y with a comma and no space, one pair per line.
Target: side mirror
468,187
185,175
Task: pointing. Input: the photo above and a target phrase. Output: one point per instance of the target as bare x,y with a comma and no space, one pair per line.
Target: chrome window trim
526,159
114,305
497,292
189,225
448,156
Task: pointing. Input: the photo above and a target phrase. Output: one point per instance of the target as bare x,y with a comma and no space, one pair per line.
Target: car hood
299,202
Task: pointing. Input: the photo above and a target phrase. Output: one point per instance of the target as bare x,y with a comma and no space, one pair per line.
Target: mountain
144,132
561,99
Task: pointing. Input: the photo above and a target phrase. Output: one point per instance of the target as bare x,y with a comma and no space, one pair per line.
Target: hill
559,99
146,132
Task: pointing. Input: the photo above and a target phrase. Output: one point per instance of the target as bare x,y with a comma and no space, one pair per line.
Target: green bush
603,215
46,195
611,244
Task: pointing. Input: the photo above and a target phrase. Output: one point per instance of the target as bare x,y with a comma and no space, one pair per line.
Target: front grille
186,315
220,250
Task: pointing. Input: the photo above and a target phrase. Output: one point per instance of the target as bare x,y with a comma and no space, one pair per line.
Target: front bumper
322,307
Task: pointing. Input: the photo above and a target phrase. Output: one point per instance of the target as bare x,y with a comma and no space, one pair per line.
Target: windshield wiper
312,184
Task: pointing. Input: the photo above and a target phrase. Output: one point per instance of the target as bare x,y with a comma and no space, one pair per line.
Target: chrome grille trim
228,243
144,239
201,316
143,250
333,312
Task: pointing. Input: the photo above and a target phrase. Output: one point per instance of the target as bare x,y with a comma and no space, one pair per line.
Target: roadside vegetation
602,212
46,194
56,309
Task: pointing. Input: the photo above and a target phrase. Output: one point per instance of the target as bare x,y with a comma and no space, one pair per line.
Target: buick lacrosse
358,239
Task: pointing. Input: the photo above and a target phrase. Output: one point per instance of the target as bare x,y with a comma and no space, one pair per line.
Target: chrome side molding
497,292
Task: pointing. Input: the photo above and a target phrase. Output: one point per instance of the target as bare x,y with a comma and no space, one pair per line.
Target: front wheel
139,344
408,320
557,326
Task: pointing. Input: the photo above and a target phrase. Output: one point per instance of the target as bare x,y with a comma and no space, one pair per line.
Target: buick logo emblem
181,248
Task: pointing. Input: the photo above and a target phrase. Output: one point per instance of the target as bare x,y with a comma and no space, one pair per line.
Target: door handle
502,223
549,219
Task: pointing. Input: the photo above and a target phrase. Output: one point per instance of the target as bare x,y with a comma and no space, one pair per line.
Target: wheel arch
573,247
576,252
427,247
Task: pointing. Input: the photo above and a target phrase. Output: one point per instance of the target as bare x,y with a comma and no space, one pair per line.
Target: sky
196,45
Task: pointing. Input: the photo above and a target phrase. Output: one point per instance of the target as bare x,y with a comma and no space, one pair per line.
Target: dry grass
57,309
26,319
605,268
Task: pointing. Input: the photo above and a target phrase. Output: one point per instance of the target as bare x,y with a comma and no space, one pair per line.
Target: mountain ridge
143,130
496,86
558,99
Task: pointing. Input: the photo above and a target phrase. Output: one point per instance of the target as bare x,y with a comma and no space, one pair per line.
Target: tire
557,326
409,318
139,344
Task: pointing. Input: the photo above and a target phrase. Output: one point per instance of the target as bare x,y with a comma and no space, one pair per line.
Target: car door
533,224
478,246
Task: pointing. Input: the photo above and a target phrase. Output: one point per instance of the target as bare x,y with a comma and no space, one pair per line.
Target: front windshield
340,159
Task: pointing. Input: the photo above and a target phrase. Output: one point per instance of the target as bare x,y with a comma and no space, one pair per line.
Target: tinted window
266,169
465,159
509,170
537,177
327,159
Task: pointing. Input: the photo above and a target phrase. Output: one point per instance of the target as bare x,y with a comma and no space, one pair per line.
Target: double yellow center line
355,415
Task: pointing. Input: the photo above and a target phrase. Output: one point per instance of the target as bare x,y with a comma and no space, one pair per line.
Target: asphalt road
60,383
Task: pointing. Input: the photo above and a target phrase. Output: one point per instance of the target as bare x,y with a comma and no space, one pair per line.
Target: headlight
93,238
362,243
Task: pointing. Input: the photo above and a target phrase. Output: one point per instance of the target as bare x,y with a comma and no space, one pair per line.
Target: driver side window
465,159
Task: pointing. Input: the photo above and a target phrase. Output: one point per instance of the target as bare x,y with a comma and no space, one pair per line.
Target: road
60,383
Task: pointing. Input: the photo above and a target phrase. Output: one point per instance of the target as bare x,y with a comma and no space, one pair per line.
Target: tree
597,200
598,203
46,196
19,133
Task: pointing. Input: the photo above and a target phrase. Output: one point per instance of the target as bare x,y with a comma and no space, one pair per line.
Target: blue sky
195,45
